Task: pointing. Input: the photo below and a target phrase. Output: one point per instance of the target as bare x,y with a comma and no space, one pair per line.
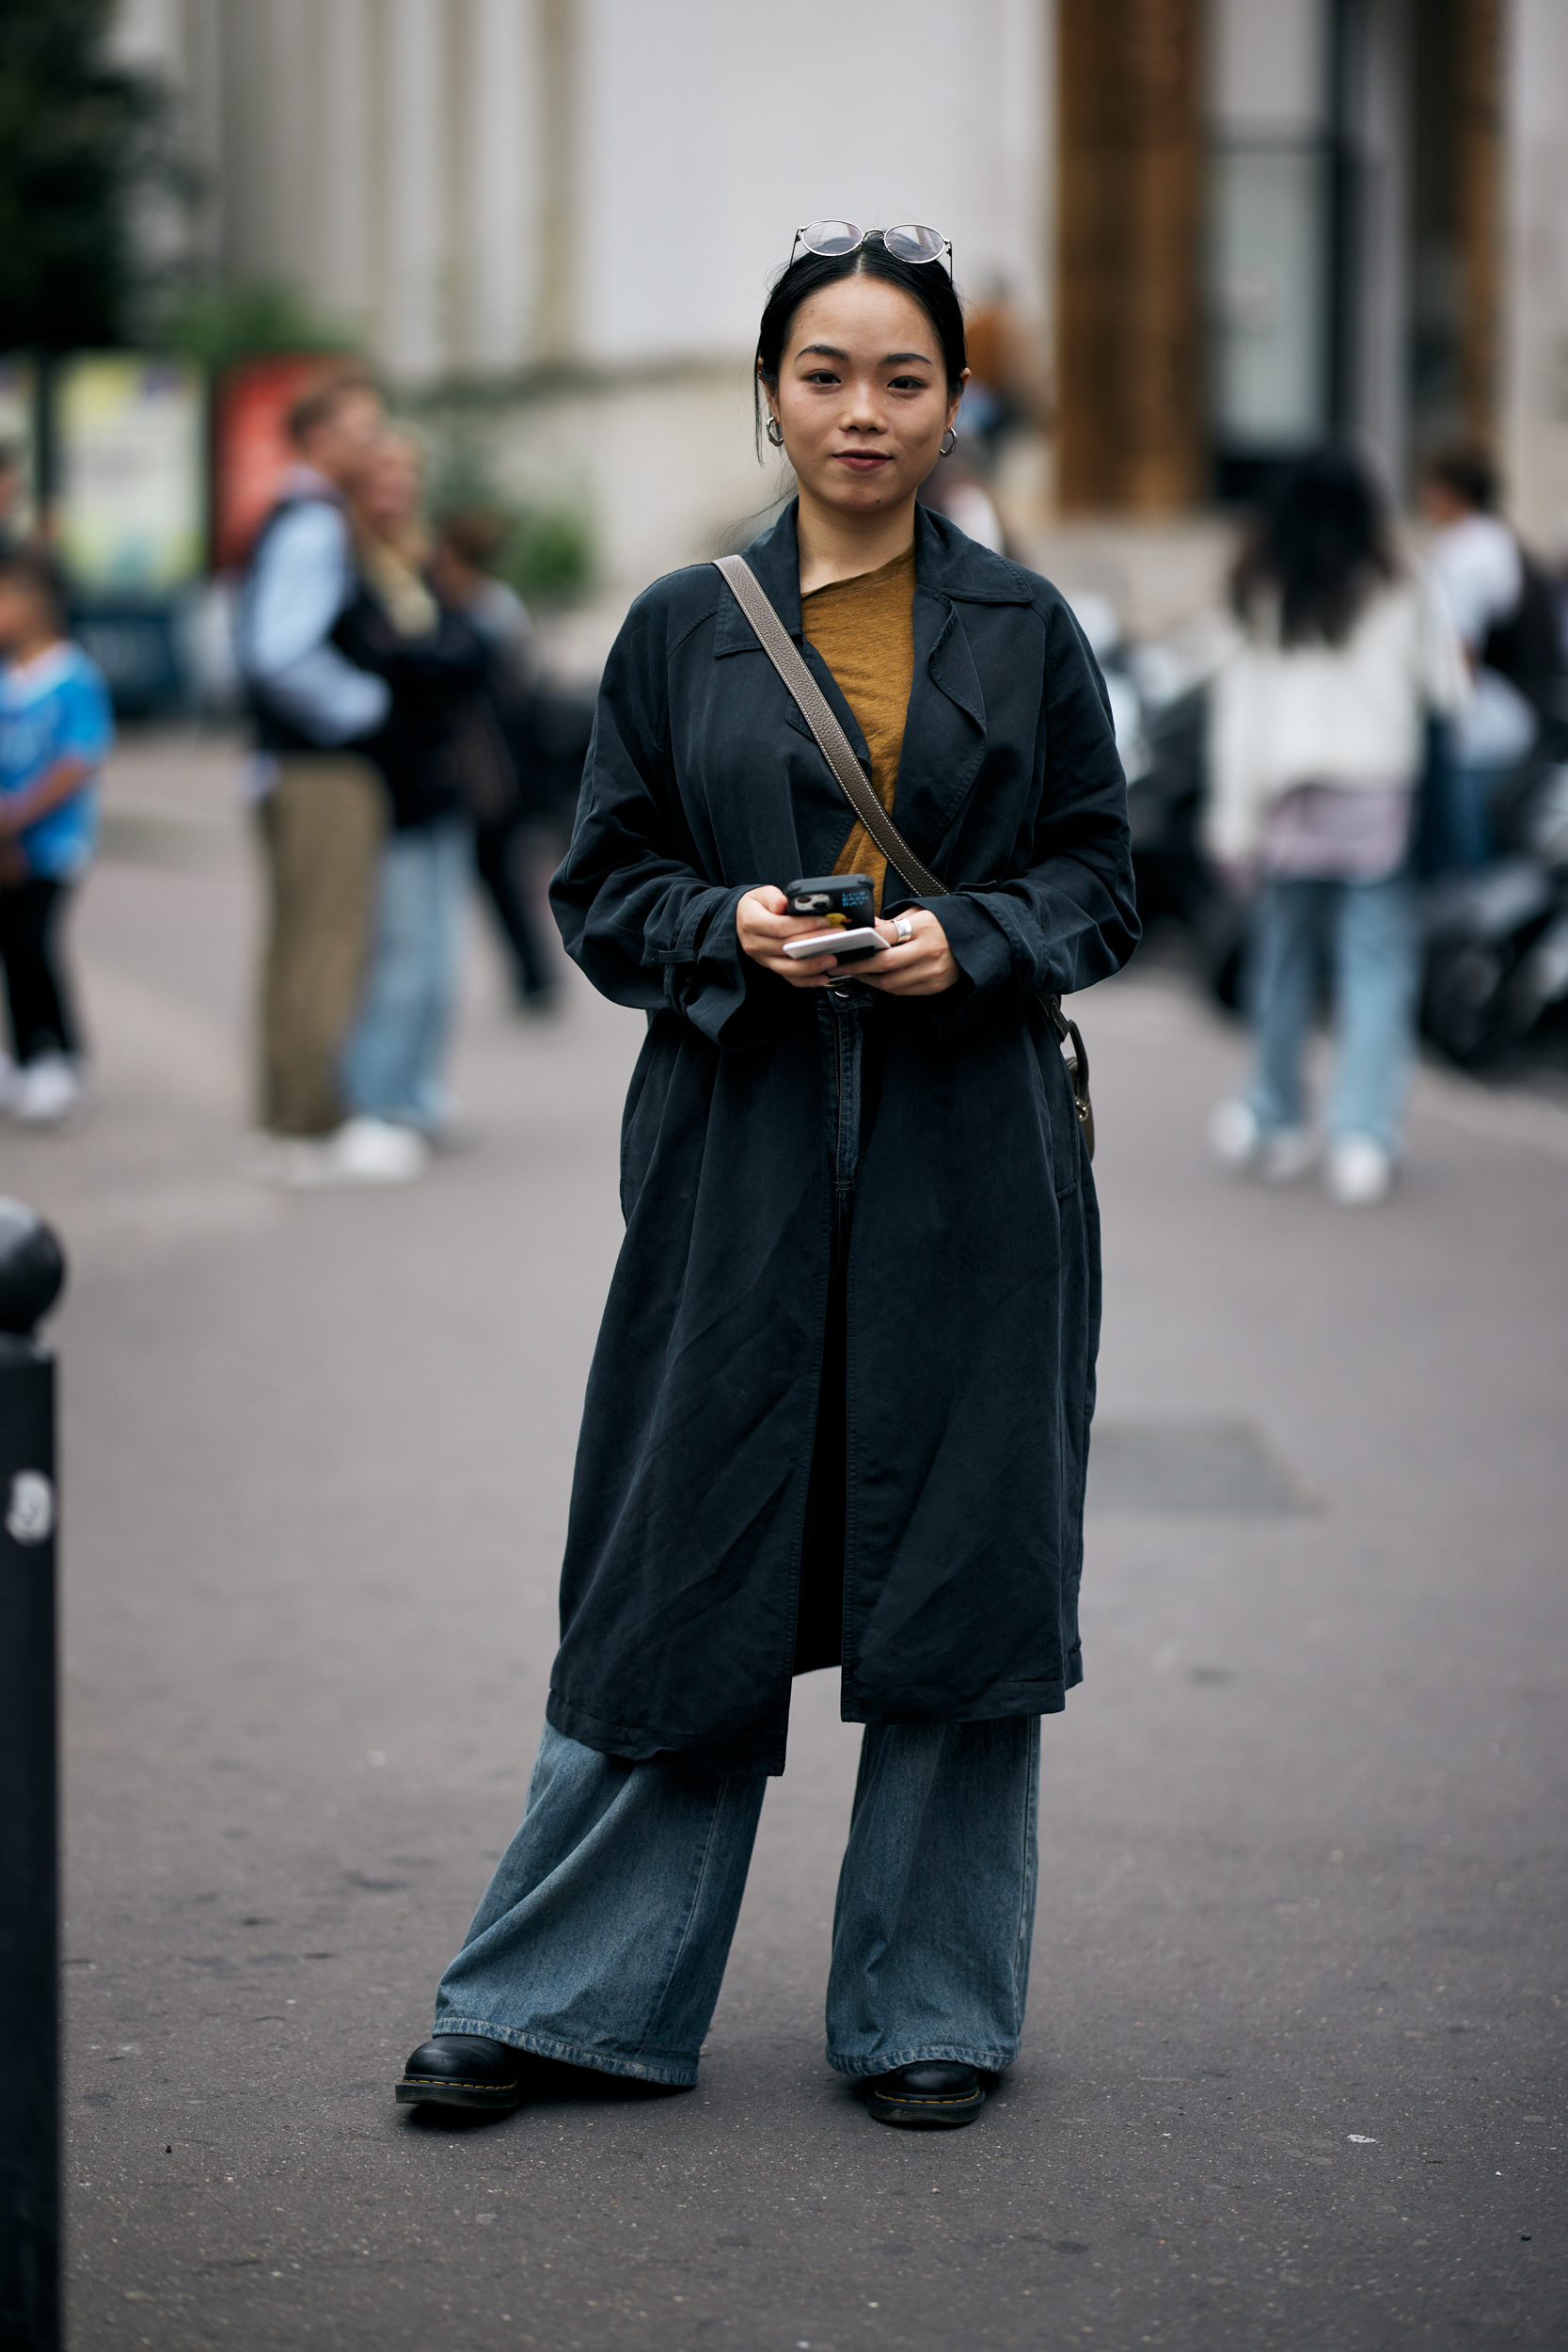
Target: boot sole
930,2115
429,2091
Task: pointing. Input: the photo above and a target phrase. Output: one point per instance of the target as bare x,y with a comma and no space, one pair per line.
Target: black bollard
31,1272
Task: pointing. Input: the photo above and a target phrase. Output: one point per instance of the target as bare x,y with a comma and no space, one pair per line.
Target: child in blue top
55,731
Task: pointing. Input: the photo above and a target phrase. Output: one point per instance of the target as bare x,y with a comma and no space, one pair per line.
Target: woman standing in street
1317,742
395,1056
839,1409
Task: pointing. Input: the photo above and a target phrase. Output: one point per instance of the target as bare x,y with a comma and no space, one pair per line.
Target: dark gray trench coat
971,1288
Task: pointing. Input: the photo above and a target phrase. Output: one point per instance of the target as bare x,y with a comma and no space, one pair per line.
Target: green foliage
221,325
79,139
548,553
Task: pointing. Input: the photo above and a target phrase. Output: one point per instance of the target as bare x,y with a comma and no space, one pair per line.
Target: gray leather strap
778,644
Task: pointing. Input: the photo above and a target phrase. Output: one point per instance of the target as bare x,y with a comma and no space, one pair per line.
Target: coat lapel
945,731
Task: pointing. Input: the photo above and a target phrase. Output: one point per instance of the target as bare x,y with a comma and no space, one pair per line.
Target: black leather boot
462,2070
932,2095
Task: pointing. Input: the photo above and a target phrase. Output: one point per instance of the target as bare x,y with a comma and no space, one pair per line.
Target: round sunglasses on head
908,242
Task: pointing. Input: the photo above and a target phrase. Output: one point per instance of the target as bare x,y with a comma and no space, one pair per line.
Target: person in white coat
1318,722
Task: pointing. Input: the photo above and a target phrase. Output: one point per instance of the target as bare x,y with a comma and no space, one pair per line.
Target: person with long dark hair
839,1410
1317,738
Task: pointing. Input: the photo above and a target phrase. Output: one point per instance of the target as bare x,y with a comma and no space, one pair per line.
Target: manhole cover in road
1190,1466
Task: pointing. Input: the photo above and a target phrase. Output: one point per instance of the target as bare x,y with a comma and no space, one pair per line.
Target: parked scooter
1497,942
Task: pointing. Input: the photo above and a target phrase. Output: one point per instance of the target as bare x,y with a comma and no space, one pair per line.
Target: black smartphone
840,902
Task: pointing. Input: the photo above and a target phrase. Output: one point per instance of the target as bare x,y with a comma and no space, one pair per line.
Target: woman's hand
923,965
762,925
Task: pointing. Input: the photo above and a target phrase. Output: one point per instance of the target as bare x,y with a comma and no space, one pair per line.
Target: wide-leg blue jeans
603,1936
393,1060
1369,930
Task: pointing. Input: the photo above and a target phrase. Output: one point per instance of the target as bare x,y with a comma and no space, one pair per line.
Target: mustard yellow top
864,629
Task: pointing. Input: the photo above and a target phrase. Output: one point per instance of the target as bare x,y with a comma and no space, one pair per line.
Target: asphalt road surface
1293,2070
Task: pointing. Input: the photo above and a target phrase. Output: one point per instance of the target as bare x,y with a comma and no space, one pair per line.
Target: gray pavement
1293,2075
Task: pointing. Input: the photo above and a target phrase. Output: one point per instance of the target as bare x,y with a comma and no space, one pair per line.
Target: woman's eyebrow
889,358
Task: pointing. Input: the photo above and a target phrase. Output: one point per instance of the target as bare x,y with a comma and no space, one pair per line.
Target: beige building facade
1232,225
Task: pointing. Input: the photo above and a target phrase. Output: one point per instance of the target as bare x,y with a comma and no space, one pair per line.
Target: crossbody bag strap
836,749
834,746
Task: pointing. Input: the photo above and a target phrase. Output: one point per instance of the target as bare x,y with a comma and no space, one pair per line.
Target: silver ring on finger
903,930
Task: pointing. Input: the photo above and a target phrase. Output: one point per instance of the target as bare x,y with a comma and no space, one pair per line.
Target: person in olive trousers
839,1412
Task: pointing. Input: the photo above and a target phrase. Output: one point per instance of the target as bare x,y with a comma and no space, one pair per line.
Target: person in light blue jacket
321,798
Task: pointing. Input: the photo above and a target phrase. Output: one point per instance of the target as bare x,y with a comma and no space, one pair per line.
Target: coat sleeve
1069,918
633,910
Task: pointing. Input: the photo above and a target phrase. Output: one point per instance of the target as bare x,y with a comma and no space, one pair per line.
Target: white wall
710,133
391,157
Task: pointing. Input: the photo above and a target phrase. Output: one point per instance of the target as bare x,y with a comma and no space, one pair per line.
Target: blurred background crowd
434,319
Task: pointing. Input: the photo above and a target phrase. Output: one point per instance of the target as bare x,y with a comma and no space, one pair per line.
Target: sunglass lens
914,243
831,238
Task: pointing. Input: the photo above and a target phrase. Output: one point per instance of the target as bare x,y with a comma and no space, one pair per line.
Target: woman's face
861,395
390,485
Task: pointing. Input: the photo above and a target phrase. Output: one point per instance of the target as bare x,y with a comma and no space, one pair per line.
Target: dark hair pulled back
1324,546
928,281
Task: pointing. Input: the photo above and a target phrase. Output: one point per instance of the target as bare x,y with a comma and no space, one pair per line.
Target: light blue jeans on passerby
1369,928
603,1936
395,1052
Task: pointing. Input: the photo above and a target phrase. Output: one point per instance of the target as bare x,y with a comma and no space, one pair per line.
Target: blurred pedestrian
1494,596
322,804
492,747
56,731
432,661
1318,722
839,1406
1008,386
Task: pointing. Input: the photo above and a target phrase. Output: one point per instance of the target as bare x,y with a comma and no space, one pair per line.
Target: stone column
558,41
1478,148
414,188
1128,312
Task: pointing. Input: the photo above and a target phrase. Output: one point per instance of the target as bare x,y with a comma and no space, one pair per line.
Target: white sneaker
46,1091
378,1152
1278,1156
1361,1172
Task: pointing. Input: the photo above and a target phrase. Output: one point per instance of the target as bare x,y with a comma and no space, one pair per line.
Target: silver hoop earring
949,443
774,430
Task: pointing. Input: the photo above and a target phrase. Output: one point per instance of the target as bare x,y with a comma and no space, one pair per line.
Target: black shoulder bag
833,743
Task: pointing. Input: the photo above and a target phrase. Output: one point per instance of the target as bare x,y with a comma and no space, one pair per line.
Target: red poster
253,451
